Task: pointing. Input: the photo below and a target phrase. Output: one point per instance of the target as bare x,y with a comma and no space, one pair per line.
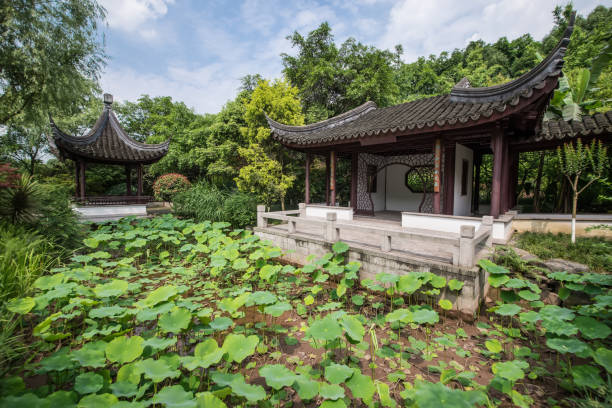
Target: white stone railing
464,246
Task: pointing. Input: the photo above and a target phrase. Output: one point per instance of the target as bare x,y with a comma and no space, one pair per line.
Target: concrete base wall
561,226
297,248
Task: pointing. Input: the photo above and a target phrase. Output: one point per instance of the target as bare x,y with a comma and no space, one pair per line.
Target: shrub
20,202
240,209
57,221
168,185
9,176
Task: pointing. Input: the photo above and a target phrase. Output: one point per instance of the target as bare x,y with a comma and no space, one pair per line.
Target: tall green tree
24,144
50,56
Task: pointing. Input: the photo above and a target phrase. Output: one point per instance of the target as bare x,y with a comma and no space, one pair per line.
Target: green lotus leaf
97,401
91,242
445,304
398,315
333,404
325,329
221,323
331,391
107,311
261,298
209,400
559,327
58,361
591,328
603,357
240,264
492,268
528,295
529,317
175,321
88,383
358,300
60,399
454,284
423,315
306,388
100,255
384,395
21,305
90,355
564,346
224,379
151,313
507,309
497,280
361,386
340,247
510,370
430,395
337,373
161,294
493,345
158,344
137,243
586,376
206,354
114,288
49,281
409,283
124,349
269,271
309,300
238,347
387,278
438,281
353,328
277,309
175,396
157,370
553,312
130,373
81,258
252,393
277,376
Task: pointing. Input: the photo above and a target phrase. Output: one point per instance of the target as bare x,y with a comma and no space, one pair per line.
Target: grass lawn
594,252
167,312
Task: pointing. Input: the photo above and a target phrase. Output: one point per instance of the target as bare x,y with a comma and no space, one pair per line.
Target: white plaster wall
463,203
399,197
378,198
438,223
343,213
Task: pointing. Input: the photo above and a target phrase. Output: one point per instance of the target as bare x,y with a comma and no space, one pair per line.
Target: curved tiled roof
599,124
105,142
463,106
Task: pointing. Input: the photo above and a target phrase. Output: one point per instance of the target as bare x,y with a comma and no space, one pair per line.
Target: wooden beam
332,179
449,179
497,145
354,179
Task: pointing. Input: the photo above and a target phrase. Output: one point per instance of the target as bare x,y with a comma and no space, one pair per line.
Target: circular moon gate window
419,179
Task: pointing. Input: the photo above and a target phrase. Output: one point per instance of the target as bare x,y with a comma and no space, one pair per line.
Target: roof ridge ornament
463,83
108,99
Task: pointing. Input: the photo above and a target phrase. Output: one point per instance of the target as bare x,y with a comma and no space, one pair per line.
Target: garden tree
281,102
576,160
24,144
50,56
335,79
263,176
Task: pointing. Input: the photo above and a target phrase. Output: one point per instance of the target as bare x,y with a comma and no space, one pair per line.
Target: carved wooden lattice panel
424,163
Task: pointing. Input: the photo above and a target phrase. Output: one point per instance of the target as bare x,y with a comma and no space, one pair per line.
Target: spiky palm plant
20,203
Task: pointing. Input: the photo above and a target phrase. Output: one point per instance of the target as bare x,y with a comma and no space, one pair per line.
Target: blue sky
197,50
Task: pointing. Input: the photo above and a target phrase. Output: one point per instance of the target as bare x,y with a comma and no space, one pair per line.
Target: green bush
169,185
204,202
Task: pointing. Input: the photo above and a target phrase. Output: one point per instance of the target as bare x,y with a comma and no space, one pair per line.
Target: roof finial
108,99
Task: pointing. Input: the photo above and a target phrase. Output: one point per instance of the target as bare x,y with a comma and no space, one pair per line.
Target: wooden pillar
327,180
497,145
354,179
332,178
505,185
307,179
82,179
514,167
128,180
139,192
449,179
476,189
437,168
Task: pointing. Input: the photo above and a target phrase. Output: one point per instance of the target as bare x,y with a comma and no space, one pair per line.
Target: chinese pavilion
424,155
106,143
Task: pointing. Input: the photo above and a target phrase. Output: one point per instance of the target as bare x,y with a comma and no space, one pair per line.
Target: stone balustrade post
331,232
386,243
302,208
261,221
291,226
466,245
487,222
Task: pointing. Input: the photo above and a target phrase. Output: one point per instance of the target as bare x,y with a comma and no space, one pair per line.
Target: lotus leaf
277,309
158,344
429,395
88,383
261,298
409,283
60,399
252,393
454,284
238,347
90,355
529,317
423,315
438,281
492,268
97,401
603,357
567,345
91,242
161,294
387,278
340,247
333,404
507,309
151,313
21,305
559,327
206,354
221,323
331,391
445,304
553,312
107,311
124,349
353,328
277,376
49,281
114,288
591,328
493,345
157,370
175,396
497,280
358,300
337,373
325,329
586,376
209,400
308,300
130,373
175,321
510,370
528,295
361,386
59,361
124,389
306,388
383,394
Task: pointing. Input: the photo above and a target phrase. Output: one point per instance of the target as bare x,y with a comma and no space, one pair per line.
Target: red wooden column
514,167
128,180
327,180
307,180
354,179
139,192
332,178
82,179
476,190
449,178
497,145
505,185
437,168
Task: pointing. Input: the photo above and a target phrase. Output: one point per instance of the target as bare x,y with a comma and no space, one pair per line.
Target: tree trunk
536,191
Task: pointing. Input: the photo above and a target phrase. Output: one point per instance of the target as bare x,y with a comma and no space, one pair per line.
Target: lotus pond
166,312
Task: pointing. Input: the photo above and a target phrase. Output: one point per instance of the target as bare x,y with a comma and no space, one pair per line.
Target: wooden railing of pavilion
113,200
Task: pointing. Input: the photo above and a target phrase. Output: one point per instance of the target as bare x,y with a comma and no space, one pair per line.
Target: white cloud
135,16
